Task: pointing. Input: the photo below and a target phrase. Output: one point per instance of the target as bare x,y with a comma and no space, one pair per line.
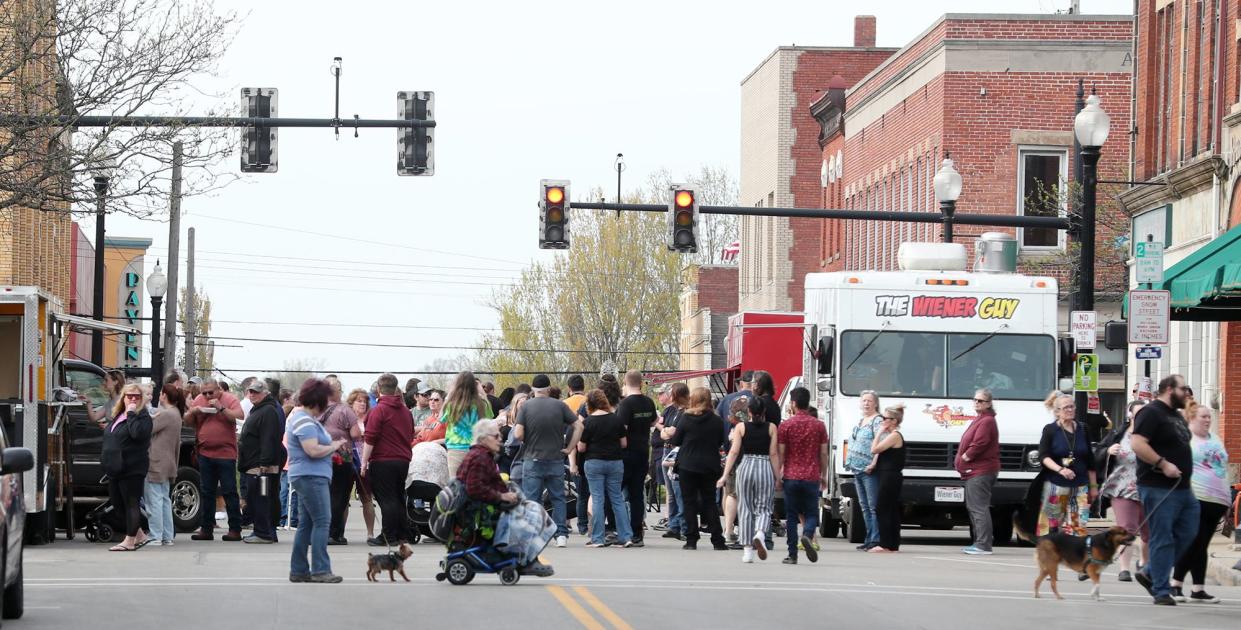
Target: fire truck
927,337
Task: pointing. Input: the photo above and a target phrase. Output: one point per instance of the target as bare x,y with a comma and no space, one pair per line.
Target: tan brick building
780,161
35,245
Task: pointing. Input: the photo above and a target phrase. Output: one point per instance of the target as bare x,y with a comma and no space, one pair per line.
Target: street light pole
157,286
103,173
620,167
1090,128
947,190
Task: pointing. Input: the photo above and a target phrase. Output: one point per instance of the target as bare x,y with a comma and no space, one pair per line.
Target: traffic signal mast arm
1001,220
11,120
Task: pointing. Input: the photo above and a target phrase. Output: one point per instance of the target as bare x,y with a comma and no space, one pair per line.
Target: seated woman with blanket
489,494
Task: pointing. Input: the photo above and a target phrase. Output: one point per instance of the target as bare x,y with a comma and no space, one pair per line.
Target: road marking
998,564
575,608
601,608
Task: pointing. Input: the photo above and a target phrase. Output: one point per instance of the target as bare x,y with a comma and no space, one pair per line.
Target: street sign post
1148,256
1083,325
1148,317
1086,373
1148,353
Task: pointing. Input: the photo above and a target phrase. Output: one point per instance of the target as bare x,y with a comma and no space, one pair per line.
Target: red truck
756,340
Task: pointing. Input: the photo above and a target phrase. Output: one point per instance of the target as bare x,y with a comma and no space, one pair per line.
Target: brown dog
1088,554
392,562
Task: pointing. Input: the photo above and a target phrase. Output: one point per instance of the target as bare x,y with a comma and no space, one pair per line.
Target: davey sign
945,307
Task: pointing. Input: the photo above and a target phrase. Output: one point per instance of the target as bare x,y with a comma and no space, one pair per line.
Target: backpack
448,502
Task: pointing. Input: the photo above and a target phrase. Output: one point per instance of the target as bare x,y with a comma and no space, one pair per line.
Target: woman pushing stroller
489,495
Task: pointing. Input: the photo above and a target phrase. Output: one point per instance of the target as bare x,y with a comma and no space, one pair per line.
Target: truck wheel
187,500
1002,525
829,527
857,523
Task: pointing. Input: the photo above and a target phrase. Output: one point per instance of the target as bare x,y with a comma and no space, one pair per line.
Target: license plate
950,494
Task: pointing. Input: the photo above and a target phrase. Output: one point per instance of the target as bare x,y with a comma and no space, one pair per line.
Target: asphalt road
213,585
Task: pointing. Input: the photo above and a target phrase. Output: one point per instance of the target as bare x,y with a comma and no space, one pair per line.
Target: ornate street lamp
947,190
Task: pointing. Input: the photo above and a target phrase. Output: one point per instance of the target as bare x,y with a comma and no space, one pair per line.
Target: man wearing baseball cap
541,425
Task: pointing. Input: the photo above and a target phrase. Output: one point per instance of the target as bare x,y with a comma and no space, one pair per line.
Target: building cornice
1174,184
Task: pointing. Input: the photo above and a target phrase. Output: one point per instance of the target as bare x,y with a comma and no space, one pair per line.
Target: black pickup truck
86,441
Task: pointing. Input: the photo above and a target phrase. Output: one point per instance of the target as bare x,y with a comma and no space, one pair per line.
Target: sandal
142,544
122,548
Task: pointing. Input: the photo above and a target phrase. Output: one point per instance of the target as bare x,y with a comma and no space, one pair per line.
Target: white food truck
928,336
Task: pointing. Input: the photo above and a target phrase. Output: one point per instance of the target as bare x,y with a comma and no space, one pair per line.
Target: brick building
1187,144
781,162
708,298
997,92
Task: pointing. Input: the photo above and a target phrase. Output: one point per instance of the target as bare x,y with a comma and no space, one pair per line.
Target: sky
524,91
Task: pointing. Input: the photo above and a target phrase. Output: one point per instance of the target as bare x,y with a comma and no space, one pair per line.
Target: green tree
612,297
296,372
204,349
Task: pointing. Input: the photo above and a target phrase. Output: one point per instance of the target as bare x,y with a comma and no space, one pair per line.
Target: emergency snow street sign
1086,373
1148,317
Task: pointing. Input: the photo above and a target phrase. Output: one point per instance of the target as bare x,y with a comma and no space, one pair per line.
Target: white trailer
32,333
928,336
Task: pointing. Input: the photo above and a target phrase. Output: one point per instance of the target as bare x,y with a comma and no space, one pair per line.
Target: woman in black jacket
126,460
701,434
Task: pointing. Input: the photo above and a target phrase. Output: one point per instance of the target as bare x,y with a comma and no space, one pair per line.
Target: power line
468,328
358,240
425,372
429,347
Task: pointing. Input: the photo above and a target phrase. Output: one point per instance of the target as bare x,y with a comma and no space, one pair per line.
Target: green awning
1206,286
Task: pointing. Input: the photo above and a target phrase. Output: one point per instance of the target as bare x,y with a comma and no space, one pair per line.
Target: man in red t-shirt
803,459
214,415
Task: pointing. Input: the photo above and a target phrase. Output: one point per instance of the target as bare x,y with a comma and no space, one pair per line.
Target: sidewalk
1224,555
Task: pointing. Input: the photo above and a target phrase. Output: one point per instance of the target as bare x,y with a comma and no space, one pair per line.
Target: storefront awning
672,377
1206,286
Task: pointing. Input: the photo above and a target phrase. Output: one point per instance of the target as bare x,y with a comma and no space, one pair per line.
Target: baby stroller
419,499
105,523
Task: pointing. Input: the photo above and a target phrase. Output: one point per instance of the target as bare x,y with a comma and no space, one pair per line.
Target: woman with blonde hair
359,401
1209,482
866,484
126,460
888,464
466,404
1069,485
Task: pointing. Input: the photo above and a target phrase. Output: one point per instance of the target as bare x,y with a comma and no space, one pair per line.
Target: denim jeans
1173,519
801,498
540,474
676,508
604,477
159,510
315,507
867,485
221,473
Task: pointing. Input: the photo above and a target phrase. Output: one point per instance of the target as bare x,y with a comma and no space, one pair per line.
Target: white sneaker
562,542
747,555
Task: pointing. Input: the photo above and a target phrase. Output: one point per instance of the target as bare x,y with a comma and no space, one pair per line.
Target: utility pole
174,253
96,339
191,304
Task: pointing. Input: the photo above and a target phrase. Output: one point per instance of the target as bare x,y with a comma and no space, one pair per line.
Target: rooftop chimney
864,31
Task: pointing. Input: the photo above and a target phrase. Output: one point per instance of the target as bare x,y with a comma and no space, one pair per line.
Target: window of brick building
1041,174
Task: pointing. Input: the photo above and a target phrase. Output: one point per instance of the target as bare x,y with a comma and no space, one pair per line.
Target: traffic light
683,220
258,143
553,214
415,145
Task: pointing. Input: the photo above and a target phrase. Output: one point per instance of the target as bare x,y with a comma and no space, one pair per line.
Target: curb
1220,568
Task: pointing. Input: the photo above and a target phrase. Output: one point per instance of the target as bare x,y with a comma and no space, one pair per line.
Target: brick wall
1181,96
1230,388
983,118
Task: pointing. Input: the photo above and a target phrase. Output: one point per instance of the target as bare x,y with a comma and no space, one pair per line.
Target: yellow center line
601,608
575,608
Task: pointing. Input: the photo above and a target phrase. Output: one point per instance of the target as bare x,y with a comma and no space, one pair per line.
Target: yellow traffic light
555,194
684,199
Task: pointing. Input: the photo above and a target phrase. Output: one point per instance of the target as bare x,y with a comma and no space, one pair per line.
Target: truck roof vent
931,257
995,252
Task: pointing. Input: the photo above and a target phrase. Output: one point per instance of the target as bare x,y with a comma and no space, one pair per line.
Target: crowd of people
729,467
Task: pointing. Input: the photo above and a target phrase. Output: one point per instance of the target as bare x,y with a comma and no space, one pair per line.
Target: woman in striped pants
754,442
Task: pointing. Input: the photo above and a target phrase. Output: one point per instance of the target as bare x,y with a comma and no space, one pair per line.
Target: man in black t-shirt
638,414
1165,460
